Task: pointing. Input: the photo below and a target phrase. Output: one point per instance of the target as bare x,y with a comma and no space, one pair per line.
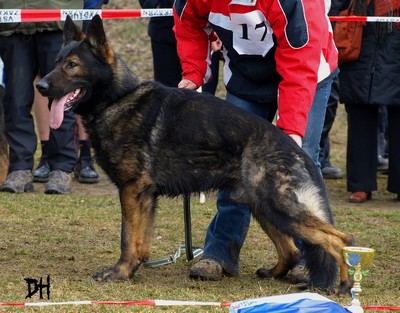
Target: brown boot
206,269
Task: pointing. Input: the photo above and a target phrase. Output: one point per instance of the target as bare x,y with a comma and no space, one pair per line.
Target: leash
172,258
191,252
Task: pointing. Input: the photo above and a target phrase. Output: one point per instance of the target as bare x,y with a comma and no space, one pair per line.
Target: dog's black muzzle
43,87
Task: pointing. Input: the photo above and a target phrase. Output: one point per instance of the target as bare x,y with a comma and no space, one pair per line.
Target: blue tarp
290,303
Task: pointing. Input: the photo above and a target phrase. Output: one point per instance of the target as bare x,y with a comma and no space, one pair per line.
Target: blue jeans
316,118
228,229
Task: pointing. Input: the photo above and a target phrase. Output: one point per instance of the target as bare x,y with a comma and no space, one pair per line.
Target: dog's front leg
137,206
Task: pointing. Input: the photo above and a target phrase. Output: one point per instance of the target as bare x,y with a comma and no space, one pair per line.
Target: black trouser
166,63
362,147
25,56
324,153
211,86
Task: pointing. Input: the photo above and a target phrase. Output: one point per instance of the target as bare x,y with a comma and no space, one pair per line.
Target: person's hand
216,45
297,139
188,84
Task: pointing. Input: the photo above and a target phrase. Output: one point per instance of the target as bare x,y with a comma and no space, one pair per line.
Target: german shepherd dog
152,140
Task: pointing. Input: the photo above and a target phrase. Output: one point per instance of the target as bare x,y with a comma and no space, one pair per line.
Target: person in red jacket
280,57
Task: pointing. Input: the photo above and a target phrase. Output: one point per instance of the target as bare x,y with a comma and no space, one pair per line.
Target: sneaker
41,173
206,269
85,172
383,163
18,182
331,172
298,274
59,183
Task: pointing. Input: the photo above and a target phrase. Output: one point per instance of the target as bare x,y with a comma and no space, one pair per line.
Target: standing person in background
166,63
277,55
41,109
366,84
3,140
328,170
26,50
383,162
84,168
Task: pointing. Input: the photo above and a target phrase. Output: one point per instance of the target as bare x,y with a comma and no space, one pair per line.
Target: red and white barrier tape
45,15
374,19
124,303
155,303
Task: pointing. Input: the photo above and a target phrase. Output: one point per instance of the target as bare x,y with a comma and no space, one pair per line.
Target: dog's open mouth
65,103
71,99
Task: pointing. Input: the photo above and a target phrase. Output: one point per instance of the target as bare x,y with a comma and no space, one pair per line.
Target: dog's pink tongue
57,112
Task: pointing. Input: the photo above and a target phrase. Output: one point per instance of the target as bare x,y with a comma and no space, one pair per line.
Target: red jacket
275,50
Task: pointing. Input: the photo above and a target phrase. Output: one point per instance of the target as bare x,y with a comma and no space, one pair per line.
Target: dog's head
82,67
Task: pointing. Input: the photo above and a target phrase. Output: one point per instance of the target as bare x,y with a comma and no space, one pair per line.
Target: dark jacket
160,28
7,29
375,77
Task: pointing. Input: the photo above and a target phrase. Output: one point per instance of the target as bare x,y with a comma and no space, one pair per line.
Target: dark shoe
332,172
18,182
59,183
85,172
298,274
360,197
398,197
41,173
206,269
383,163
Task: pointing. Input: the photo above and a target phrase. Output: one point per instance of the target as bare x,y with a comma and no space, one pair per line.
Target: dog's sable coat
152,140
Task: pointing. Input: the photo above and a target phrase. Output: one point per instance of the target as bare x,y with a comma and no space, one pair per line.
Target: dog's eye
71,64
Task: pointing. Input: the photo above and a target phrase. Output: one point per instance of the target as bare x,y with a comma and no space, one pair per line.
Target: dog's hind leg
322,235
288,254
137,204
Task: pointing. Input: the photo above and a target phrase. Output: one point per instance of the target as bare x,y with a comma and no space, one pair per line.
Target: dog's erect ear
97,39
71,31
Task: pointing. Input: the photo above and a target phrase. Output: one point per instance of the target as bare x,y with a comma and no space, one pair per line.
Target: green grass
71,237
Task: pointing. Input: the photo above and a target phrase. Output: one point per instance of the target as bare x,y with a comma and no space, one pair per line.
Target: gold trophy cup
357,258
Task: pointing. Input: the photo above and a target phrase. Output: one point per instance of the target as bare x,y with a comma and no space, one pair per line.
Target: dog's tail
322,266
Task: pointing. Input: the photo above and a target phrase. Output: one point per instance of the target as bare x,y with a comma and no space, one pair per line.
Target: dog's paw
303,287
344,288
264,273
109,275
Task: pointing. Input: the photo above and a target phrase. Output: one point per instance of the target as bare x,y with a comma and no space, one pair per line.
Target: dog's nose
42,86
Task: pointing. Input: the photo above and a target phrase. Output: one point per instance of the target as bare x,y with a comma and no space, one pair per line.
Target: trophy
358,258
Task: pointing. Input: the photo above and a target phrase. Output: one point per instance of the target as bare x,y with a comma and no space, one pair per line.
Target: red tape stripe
46,15
382,308
40,15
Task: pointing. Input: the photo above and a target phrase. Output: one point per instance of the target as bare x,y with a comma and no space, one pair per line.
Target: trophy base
355,306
